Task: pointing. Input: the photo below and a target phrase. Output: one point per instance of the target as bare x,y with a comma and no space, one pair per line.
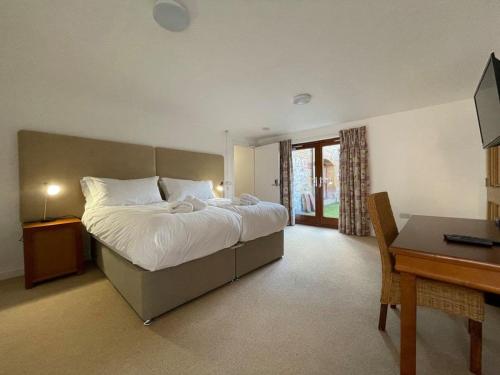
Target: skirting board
4,275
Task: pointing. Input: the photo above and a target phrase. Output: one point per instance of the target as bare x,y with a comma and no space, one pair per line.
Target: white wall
430,160
244,173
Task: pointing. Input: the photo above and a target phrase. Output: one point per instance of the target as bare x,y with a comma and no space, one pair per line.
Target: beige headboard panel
189,165
63,160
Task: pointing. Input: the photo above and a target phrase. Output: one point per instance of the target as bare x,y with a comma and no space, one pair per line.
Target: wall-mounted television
487,98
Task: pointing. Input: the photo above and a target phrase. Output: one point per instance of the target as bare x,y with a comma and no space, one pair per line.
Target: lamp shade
53,189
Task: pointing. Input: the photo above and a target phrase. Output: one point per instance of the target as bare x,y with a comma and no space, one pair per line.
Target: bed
64,160
258,220
261,234
261,240
151,237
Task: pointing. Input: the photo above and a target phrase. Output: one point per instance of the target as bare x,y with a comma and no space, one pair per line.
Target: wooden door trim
311,144
493,167
318,188
308,219
493,183
318,219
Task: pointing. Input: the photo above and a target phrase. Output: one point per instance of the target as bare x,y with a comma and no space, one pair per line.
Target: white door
267,172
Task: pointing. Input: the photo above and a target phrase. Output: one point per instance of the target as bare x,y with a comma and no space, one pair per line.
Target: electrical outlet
404,215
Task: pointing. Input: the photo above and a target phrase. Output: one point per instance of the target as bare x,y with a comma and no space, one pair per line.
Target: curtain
286,178
354,182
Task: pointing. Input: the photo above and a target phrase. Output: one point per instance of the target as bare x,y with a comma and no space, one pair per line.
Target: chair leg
476,343
383,317
393,307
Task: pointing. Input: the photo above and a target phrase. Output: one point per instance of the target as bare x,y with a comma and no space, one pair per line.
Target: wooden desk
420,250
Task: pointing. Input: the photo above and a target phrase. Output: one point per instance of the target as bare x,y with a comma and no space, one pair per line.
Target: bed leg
148,322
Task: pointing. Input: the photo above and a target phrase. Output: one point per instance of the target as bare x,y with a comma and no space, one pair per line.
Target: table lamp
50,190
220,187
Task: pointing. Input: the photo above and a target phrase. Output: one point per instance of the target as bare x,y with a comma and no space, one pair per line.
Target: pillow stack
111,192
177,190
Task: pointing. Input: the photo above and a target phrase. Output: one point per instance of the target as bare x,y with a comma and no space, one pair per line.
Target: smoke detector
171,15
301,99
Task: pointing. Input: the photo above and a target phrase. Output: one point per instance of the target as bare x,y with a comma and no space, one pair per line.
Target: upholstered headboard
63,160
189,165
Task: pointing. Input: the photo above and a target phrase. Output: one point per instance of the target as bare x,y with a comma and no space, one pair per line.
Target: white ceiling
241,61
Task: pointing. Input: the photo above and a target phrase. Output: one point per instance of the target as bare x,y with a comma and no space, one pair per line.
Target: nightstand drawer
52,249
53,253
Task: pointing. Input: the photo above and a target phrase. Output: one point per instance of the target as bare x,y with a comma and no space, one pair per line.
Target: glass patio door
316,189
304,184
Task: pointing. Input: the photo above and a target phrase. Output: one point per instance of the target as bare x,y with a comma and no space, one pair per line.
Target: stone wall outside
303,173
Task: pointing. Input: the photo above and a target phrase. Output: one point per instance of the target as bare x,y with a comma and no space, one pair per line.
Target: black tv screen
487,98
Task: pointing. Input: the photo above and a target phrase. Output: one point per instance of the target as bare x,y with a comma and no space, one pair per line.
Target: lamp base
48,220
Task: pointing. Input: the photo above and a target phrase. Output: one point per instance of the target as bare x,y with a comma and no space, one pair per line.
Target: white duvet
258,220
153,238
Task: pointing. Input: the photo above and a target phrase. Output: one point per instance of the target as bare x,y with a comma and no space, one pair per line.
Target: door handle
318,181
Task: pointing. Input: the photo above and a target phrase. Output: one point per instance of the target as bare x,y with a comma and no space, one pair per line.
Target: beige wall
243,170
430,160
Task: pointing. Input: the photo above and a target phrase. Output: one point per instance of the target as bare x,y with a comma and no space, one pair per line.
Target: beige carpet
313,312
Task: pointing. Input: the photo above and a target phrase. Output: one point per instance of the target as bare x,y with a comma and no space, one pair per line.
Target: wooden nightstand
52,249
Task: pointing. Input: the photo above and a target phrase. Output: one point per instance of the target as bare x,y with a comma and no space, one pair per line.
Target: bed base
151,294
259,252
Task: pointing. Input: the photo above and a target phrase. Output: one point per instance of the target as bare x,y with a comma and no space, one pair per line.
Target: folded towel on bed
248,199
180,207
236,202
197,203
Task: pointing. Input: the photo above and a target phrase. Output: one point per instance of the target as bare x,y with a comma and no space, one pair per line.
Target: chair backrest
385,227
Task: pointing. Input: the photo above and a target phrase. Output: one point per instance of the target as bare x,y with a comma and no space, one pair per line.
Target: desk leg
408,324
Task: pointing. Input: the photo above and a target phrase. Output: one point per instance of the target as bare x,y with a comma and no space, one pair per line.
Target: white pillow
111,192
84,183
176,189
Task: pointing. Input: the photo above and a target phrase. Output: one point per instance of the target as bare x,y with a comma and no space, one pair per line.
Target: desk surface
425,234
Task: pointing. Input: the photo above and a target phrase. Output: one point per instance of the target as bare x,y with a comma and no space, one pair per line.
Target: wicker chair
452,299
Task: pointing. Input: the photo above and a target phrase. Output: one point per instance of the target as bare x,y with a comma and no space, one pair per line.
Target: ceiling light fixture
171,15
301,99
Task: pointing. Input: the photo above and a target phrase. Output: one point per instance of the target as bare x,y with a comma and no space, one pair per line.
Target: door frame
318,220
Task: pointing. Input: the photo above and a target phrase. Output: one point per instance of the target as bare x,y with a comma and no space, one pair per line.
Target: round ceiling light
302,99
171,15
